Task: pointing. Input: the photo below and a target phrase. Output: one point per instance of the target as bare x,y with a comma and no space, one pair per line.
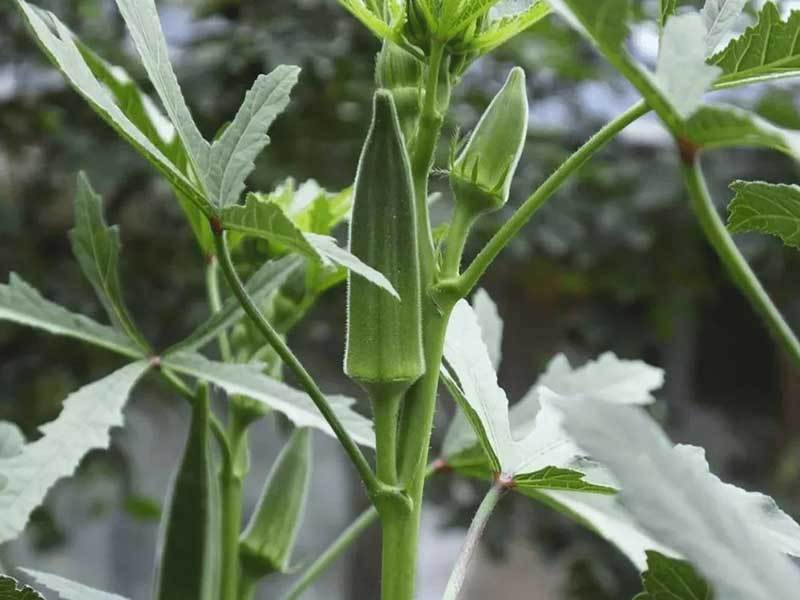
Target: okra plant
580,441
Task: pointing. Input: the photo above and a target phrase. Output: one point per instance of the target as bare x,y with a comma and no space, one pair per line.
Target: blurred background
615,261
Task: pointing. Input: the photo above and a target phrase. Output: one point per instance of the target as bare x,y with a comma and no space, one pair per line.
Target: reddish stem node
687,150
155,362
216,225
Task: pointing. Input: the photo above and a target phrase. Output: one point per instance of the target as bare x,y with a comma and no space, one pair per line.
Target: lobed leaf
143,24
670,494
267,220
260,217
768,50
83,425
9,590
249,380
12,440
96,246
23,304
233,154
768,208
59,45
719,17
69,590
721,126
682,75
672,578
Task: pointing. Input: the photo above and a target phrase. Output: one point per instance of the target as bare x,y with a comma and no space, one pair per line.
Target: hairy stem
385,411
215,303
304,378
734,262
459,573
337,548
523,214
457,235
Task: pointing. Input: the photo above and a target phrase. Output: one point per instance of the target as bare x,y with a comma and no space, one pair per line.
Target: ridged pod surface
267,543
384,334
481,175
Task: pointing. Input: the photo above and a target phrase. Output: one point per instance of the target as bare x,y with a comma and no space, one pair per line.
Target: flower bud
481,175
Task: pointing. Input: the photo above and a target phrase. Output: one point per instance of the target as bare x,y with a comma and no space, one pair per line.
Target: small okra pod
384,334
481,174
190,530
267,542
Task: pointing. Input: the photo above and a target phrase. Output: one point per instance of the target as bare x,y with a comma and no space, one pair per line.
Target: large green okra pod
384,335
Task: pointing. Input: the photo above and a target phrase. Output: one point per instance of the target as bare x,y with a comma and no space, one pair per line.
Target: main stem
729,254
401,528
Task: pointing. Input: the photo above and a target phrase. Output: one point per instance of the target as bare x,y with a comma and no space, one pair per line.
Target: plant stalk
472,541
385,411
528,208
231,483
741,273
304,378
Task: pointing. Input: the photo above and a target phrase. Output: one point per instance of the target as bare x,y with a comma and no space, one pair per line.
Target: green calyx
481,175
266,544
384,334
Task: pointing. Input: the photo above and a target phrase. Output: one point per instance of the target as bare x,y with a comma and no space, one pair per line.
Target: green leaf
234,153
69,590
11,440
96,246
720,16
156,126
532,440
59,45
672,579
330,251
141,18
682,75
554,478
671,92
83,425
767,50
249,380
500,30
263,283
267,220
721,126
23,304
735,539
768,208
261,218
267,542
10,591
666,9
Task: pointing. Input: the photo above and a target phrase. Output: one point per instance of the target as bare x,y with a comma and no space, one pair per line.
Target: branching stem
734,262
304,378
